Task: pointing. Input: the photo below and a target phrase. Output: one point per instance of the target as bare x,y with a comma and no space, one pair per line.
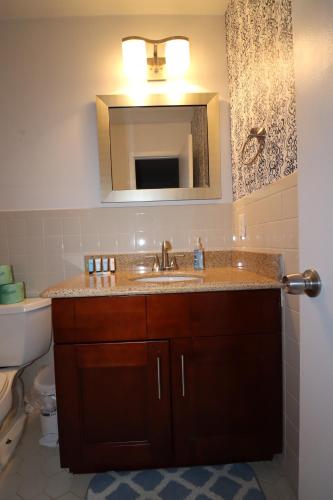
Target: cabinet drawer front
100,319
236,312
169,315
213,313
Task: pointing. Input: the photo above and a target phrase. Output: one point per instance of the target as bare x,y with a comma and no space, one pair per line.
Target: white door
313,44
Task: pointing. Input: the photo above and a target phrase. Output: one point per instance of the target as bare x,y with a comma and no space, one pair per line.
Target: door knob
308,282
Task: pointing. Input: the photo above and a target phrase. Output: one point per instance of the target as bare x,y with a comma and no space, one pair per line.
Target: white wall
51,71
271,216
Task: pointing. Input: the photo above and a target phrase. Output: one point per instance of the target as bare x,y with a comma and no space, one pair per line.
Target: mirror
159,149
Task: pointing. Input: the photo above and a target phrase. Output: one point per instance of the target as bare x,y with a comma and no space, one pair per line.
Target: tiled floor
34,474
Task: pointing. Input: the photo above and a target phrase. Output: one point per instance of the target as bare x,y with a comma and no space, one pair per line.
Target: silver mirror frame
211,100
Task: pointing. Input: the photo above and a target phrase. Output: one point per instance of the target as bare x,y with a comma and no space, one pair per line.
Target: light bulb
177,54
135,59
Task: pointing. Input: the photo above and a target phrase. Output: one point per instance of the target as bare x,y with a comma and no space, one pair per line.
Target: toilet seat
7,376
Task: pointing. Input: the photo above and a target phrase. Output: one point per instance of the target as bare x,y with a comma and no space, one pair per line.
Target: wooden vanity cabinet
190,384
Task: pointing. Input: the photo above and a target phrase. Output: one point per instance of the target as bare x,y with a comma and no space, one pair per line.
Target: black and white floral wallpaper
262,90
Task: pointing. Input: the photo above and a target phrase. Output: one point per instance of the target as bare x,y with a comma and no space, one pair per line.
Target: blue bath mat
227,482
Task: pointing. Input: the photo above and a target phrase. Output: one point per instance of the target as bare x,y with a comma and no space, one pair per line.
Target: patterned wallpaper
262,90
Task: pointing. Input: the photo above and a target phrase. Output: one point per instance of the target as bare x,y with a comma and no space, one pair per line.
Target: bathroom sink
167,278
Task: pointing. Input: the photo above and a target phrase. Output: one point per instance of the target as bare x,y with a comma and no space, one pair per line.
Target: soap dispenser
198,256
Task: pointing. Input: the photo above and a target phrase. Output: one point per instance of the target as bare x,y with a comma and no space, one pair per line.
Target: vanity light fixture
155,60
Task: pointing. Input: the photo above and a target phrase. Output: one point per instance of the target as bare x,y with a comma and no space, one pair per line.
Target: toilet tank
25,331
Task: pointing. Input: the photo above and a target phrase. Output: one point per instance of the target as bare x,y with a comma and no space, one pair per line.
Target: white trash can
44,385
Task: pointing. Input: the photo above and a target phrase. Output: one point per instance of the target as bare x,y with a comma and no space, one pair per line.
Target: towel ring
260,135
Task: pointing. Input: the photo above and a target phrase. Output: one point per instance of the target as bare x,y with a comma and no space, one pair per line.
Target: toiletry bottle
105,264
91,266
112,264
198,256
98,264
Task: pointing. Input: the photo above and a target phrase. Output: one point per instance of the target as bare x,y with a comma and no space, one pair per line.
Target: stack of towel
10,292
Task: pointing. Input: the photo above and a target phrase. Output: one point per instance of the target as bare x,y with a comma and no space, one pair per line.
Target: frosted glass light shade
177,55
135,59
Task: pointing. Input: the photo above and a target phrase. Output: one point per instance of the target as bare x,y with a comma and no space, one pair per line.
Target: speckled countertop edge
123,283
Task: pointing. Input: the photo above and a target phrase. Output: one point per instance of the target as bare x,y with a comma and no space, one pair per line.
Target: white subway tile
4,259
144,241
290,203
126,242
54,264
290,467
3,227
19,264
35,226
72,243
17,226
292,410
53,226
71,225
268,209
74,264
214,239
4,248
145,221
34,244
289,229
35,263
292,301
292,352
292,380
292,324
36,282
17,245
54,245
89,223
53,278
91,243
291,261
292,436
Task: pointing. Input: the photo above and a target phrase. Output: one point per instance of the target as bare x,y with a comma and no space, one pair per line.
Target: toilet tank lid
25,306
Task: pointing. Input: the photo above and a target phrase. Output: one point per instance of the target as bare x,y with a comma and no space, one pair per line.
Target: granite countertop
123,283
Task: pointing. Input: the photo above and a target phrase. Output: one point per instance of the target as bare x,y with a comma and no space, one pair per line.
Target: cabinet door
120,394
227,398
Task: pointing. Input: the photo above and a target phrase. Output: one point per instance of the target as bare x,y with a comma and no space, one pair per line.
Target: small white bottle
98,264
105,264
198,256
112,264
91,265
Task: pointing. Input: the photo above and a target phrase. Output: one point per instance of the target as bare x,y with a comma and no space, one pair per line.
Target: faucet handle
156,265
173,262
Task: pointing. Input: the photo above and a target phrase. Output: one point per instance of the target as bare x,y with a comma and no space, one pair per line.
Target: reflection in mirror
159,149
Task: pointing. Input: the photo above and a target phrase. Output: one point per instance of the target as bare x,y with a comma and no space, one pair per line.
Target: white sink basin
166,279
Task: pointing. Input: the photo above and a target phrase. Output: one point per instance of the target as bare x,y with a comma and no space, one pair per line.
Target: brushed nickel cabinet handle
182,361
159,392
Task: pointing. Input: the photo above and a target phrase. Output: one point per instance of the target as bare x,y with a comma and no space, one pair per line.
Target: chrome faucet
165,256
165,264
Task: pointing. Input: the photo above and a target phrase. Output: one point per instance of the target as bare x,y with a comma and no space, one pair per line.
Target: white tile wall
272,224
48,246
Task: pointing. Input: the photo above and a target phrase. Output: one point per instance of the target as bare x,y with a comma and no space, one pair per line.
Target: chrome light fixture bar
156,60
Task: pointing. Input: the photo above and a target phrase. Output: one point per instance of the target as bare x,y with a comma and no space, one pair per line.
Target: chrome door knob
308,282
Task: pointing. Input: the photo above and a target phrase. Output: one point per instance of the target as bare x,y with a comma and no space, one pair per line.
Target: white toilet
25,335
